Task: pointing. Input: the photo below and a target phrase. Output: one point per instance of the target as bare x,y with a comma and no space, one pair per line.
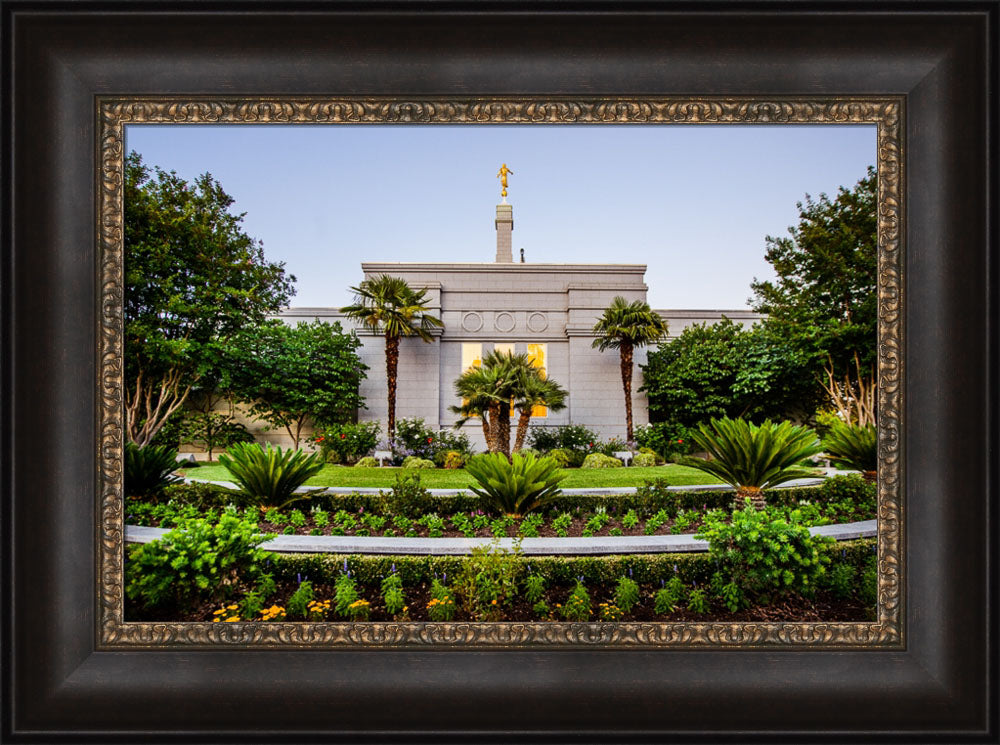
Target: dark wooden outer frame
59,58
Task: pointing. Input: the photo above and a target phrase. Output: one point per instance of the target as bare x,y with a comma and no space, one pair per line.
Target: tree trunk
147,410
391,366
503,430
626,365
522,428
754,493
486,430
870,476
492,437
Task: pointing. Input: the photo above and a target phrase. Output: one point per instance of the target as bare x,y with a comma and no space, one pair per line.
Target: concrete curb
596,546
601,491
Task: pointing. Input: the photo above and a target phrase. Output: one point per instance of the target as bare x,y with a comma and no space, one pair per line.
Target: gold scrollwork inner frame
886,113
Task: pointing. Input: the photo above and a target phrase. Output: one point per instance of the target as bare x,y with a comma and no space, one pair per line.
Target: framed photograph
93,651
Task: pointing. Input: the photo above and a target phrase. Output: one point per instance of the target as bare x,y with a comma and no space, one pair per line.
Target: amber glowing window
537,354
472,356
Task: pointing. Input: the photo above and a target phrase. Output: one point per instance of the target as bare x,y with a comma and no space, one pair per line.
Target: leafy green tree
388,305
193,278
535,390
625,326
291,374
823,301
726,370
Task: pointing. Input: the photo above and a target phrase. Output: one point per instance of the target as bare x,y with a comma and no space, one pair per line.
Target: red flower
343,437
680,441
430,439
590,444
319,439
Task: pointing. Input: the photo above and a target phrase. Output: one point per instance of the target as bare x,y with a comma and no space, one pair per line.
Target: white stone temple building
545,310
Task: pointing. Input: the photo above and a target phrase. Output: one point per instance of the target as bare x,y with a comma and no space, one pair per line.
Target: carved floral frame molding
886,113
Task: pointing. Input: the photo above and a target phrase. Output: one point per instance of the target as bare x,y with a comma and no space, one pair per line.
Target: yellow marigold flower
232,618
216,620
232,607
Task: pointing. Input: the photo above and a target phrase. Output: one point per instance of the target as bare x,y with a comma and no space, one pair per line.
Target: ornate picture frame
114,114
73,670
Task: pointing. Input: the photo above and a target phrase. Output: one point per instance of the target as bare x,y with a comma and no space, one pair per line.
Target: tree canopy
824,298
193,278
291,374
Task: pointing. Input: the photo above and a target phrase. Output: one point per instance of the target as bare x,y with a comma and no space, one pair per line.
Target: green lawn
440,478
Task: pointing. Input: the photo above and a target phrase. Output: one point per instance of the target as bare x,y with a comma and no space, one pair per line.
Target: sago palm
854,446
627,326
388,305
269,476
752,458
514,487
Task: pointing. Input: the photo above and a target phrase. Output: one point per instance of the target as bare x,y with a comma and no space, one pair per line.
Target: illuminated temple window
537,354
504,347
472,356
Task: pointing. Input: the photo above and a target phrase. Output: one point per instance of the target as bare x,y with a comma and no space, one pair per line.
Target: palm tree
389,305
626,326
505,381
534,390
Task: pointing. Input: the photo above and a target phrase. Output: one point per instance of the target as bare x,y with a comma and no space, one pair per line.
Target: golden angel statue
502,175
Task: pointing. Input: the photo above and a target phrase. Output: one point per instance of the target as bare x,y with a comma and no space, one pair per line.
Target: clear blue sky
694,203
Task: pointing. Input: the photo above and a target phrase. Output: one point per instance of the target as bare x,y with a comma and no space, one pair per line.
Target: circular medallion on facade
537,322
503,322
472,322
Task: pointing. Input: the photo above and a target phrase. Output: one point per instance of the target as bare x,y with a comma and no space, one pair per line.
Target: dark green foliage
347,443
767,557
193,278
534,588
297,607
392,594
823,302
626,594
574,437
852,445
212,430
664,438
744,454
269,476
725,370
668,598
514,487
149,469
577,606
487,581
345,594
199,560
292,374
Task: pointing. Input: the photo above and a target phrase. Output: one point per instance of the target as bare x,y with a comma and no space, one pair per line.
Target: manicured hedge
558,570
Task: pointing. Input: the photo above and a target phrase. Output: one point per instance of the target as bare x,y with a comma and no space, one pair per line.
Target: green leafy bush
347,443
297,607
148,470
764,556
567,458
577,606
751,457
853,446
413,437
198,561
366,462
487,581
451,459
441,606
664,438
567,437
516,487
270,476
412,461
600,460
643,460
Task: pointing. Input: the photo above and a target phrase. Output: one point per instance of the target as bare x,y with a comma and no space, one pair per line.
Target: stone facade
552,307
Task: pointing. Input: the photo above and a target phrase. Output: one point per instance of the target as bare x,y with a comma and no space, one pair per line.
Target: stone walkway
598,545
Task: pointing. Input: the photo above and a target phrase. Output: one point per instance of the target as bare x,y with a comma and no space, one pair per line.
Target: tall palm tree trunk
522,428
492,436
486,431
626,365
391,368
503,430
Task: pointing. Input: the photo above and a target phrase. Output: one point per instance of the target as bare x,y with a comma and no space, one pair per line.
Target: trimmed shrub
367,462
600,460
644,460
567,458
453,460
347,443
412,461
567,437
666,439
